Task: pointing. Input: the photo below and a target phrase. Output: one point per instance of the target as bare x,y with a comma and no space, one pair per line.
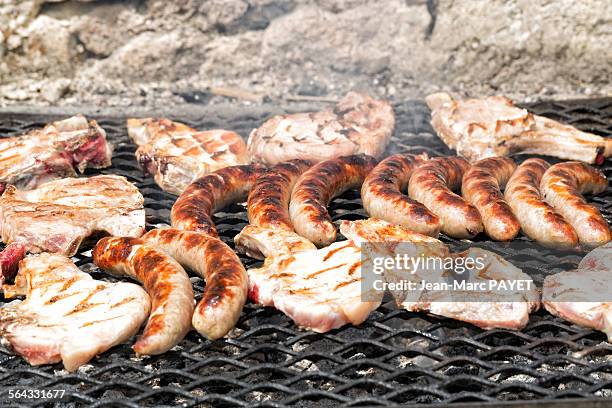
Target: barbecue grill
395,357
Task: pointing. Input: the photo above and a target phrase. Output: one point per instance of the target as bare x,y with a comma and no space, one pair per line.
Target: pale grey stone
152,52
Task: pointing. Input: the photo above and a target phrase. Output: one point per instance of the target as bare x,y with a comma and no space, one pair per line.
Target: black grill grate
396,357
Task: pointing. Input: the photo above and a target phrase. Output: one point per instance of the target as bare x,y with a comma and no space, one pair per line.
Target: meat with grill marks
357,124
165,281
506,307
539,221
494,126
583,296
226,279
433,183
383,195
58,215
319,289
317,186
176,154
55,151
67,316
497,308
481,186
563,185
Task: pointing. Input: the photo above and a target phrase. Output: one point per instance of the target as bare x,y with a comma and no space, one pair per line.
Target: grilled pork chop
494,126
357,124
583,296
58,215
318,289
321,289
52,152
500,307
176,154
504,308
67,315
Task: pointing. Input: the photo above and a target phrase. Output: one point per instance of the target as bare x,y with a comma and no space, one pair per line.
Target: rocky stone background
156,52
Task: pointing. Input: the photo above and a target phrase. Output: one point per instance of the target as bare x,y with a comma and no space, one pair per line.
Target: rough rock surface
155,52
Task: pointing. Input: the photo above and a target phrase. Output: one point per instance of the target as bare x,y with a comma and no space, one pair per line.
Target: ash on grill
395,357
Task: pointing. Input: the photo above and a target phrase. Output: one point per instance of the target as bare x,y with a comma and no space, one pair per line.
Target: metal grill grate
396,357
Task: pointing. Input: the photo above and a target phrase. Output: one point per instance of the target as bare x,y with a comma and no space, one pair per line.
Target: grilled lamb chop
58,215
583,296
494,126
67,315
357,124
52,152
487,309
176,154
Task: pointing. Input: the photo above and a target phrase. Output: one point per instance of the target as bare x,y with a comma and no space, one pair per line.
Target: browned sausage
481,187
226,279
193,210
562,187
165,281
316,187
538,220
382,195
433,184
268,204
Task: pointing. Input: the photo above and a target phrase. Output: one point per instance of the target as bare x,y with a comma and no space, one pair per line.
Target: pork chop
497,307
319,289
583,296
357,124
322,289
58,215
504,307
176,154
494,126
67,315
53,152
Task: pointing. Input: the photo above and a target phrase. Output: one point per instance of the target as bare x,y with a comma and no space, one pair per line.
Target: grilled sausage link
316,187
226,279
165,281
538,220
268,203
562,187
481,186
432,184
194,208
382,195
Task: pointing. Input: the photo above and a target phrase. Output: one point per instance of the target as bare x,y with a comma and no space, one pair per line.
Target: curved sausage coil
268,203
481,187
226,279
165,281
539,221
433,183
562,187
193,210
382,195
316,187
